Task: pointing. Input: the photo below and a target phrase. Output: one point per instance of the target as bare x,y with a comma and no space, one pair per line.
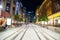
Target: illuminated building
51,8
9,7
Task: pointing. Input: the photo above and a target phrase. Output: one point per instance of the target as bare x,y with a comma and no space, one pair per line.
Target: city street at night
29,32
29,19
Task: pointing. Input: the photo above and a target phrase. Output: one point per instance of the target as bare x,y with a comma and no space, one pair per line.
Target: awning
54,15
5,14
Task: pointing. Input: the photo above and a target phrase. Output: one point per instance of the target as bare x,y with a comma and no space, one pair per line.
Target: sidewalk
56,29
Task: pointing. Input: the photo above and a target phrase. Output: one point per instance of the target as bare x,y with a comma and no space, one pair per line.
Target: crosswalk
29,32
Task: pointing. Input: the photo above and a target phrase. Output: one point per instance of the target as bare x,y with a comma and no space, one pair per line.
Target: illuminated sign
8,21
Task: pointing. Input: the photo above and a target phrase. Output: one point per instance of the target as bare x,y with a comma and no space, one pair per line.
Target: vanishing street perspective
29,19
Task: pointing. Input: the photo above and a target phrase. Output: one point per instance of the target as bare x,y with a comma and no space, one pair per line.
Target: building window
8,7
13,12
14,2
8,1
0,1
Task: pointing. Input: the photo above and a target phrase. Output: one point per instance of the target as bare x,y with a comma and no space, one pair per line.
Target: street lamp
37,14
1,6
37,17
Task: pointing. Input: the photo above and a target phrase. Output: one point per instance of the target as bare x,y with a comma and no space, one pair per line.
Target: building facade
10,7
51,8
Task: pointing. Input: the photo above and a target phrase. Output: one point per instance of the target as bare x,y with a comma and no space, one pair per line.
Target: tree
20,19
43,18
16,17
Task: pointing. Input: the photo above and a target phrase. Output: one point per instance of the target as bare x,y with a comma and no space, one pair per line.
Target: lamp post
37,17
23,17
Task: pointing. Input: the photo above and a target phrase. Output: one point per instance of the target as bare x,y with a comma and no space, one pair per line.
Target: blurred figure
4,25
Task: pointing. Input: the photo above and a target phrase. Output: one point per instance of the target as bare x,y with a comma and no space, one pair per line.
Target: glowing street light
1,7
37,14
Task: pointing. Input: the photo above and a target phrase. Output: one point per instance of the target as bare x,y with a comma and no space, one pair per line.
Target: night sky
31,5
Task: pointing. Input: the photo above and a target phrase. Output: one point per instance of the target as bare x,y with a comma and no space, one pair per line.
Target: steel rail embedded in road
43,35
49,35
23,34
18,34
13,33
41,31
37,34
